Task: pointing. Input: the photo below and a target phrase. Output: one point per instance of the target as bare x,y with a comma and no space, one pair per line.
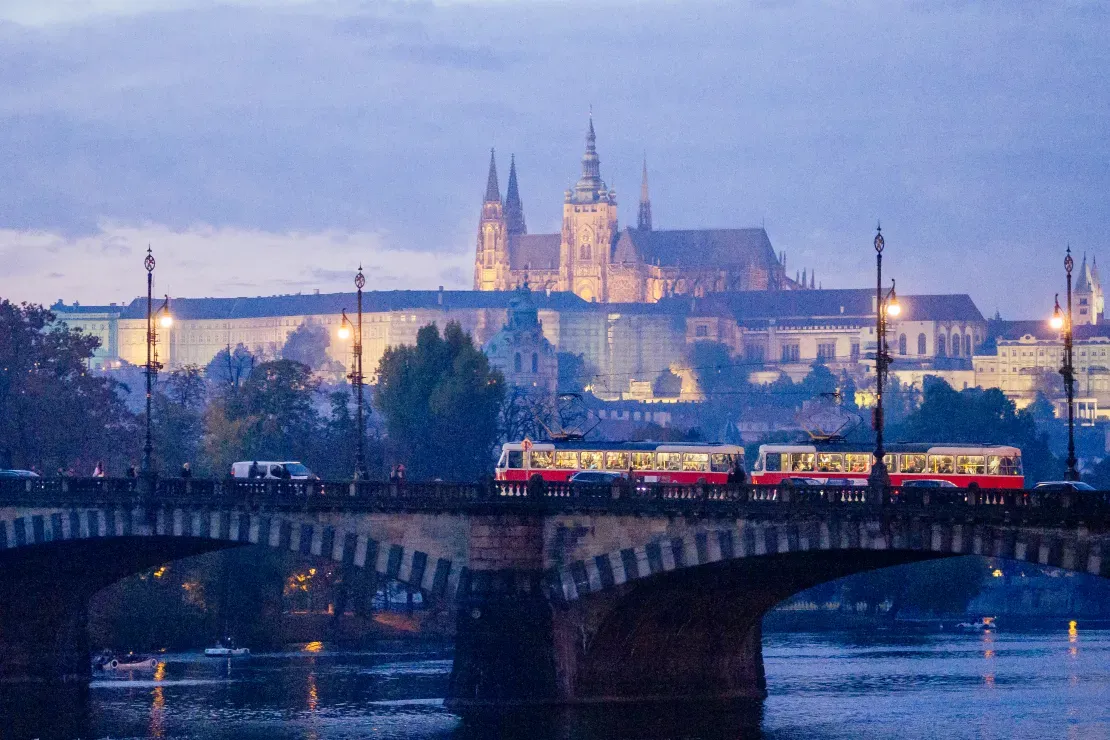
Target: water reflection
158,703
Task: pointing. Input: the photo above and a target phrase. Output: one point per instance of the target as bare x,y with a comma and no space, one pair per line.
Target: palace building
595,259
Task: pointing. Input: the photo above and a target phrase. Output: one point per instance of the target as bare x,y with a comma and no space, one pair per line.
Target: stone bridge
563,594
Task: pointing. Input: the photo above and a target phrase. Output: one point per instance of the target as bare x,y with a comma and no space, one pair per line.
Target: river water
822,687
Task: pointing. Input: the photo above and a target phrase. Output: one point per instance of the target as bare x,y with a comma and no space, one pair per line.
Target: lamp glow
893,308
165,321
344,333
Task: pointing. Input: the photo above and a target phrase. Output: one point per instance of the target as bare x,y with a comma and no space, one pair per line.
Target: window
720,462
828,462
643,461
855,462
970,465
616,461
801,462
941,464
584,252
854,351
516,459
516,363
591,460
701,330
912,463
826,351
1003,465
791,353
940,346
901,344
669,460
535,362
967,345
695,462
566,460
920,344
773,463
542,458
754,352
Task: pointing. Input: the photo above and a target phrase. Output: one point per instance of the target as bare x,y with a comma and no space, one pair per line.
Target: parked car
928,483
18,474
1063,486
846,482
803,481
270,470
596,477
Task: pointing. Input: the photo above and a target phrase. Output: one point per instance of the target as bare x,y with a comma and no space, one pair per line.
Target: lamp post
346,328
884,306
152,365
1063,322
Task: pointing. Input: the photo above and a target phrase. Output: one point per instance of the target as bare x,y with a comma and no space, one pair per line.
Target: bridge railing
621,496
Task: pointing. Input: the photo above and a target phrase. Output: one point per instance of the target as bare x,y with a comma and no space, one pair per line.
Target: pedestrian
736,475
98,471
393,474
254,471
186,472
131,471
401,473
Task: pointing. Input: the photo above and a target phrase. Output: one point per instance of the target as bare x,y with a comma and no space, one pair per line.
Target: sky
271,146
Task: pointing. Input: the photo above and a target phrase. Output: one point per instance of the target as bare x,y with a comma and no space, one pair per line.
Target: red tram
987,466
651,462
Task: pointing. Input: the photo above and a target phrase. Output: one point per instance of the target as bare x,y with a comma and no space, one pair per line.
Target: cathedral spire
644,221
493,191
514,209
590,188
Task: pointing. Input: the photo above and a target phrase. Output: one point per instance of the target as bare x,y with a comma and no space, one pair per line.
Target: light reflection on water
822,687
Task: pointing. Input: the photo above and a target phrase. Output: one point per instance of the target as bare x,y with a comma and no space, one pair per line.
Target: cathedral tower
589,229
643,222
514,209
491,262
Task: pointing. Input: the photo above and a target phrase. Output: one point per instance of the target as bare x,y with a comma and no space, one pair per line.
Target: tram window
773,462
643,461
566,460
516,459
970,465
591,460
669,460
891,462
1003,465
941,464
720,462
542,459
913,463
828,462
801,462
616,461
695,462
857,462
502,462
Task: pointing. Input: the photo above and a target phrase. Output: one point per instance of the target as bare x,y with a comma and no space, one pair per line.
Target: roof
62,308
333,303
1039,329
697,247
843,304
534,251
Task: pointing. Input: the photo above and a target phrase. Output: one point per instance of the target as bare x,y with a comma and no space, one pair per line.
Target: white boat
226,652
128,664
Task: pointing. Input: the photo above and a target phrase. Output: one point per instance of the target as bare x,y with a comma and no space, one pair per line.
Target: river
822,687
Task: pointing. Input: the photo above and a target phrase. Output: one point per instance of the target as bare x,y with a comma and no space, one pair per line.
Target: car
271,470
18,474
596,477
929,483
1063,486
846,482
802,482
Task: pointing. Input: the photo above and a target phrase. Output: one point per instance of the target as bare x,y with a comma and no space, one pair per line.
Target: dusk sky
269,147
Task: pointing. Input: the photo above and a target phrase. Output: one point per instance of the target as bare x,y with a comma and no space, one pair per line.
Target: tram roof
583,444
896,447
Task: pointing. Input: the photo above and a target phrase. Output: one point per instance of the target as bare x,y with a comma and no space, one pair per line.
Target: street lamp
346,329
1062,321
152,366
884,306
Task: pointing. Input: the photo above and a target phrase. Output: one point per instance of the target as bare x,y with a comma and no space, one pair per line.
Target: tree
440,401
526,412
278,398
230,368
308,345
178,420
53,412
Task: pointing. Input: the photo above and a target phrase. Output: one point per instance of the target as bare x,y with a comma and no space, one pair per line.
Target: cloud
107,266
965,127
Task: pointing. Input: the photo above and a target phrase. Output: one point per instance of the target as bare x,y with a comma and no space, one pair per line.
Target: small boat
108,662
226,652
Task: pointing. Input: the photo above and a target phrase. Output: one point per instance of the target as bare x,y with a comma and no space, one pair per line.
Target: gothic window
853,351
940,346
967,345
516,363
535,363
902,344
955,345
584,252
920,344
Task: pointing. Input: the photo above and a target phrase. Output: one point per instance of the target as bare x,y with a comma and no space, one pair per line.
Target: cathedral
595,259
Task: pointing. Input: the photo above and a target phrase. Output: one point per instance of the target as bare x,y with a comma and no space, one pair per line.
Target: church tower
589,229
643,221
514,209
491,261
1089,302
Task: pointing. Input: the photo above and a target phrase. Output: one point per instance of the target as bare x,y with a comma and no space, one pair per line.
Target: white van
270,470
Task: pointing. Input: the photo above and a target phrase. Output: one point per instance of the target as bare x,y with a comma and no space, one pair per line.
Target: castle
596,260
